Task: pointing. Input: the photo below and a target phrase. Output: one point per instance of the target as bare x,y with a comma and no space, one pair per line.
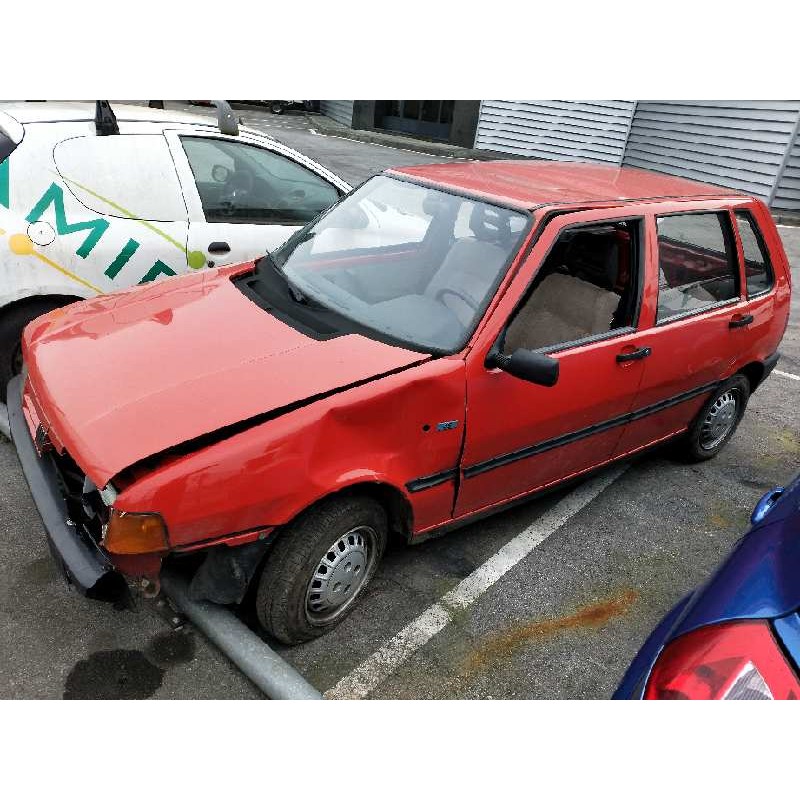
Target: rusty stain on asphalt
594,615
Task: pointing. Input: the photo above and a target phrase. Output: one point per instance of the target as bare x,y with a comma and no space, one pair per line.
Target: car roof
530,184
48,111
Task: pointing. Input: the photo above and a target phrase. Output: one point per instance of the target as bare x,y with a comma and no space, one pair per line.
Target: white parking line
788,375
384,662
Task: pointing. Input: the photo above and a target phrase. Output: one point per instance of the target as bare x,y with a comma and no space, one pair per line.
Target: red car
444,341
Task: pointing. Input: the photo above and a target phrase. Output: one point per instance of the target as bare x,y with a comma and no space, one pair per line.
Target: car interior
242,183
695,263
439,285
586,286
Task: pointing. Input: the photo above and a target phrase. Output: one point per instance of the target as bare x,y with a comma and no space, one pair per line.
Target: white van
91,202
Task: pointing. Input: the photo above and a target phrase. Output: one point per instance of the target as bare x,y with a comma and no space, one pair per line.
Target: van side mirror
529,366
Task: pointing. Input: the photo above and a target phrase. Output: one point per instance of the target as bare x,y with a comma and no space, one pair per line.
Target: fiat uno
444,341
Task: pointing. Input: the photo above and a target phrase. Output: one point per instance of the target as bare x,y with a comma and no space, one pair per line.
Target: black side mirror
529,366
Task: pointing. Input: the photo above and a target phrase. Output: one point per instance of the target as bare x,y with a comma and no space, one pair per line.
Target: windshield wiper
293,291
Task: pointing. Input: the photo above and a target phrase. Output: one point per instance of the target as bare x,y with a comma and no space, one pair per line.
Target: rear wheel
717,420
319,567
12,322
276,108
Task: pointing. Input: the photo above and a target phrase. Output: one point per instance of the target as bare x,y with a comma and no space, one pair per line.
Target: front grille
84,504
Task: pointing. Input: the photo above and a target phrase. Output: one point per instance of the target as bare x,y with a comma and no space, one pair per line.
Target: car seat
472,264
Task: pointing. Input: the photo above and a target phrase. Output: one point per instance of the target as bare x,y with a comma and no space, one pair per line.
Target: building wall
561,130
787,193
339,110
751,145
739,144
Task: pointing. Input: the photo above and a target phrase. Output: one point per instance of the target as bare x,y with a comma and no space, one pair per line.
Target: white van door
246,196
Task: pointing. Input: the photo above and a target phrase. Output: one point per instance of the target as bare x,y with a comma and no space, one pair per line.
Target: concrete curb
5,430
277,679
784,218
329,127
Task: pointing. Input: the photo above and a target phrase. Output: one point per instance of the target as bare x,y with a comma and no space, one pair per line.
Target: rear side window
695,263
757,269
129,175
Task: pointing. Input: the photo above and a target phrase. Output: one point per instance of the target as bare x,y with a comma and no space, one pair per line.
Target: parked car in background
444,341
738,636
279,106
91,204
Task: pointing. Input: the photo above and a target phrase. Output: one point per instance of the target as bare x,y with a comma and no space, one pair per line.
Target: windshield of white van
412,263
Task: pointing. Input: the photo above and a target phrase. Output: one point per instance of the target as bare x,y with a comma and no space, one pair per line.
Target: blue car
738,636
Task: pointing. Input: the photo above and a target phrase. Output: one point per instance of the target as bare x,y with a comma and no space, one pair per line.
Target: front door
581,293
244,198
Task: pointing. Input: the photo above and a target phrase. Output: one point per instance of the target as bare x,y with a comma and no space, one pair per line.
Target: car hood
131,374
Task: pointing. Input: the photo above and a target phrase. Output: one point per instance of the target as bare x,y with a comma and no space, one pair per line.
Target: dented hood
128,375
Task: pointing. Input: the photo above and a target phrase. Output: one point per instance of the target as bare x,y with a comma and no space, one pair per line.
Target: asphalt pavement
561,622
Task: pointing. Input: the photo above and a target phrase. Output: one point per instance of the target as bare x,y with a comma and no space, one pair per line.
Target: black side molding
591,430
429,481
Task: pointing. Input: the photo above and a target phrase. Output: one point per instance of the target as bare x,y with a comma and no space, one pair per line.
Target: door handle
634,355
740,321
219,247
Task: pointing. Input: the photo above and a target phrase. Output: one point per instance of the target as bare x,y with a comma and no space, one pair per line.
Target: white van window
243,183
131,175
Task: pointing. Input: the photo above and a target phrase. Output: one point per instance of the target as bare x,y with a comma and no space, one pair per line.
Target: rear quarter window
129,176
757,267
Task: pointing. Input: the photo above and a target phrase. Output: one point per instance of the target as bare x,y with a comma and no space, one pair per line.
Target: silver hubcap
720,420
340,575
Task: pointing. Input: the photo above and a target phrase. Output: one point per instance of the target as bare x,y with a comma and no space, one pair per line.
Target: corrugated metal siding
562,130
787,196
738,143
340,110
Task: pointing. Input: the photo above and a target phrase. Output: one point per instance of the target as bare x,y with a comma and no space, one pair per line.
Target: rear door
246,195
695,323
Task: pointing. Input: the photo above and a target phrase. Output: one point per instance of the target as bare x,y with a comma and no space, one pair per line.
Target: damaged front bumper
79,558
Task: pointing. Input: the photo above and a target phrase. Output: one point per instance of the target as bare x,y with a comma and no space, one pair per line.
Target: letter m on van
55,196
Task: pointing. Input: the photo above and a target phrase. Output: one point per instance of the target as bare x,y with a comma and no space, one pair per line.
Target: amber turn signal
130,534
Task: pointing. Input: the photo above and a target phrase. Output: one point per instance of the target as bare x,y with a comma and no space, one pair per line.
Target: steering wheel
447,290
237,189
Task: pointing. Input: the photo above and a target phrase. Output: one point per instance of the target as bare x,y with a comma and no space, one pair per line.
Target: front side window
588,285
248,184
757,269
412,263
696,264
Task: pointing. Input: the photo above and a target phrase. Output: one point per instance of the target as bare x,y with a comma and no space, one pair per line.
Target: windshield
412,263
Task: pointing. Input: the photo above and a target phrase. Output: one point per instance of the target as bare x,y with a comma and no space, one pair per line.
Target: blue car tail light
731,661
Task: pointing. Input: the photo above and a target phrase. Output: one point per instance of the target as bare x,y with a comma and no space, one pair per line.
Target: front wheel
717,420
319,567
12,322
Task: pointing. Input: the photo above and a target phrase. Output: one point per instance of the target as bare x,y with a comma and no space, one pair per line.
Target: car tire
327,556
276,108
12,322
717,420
